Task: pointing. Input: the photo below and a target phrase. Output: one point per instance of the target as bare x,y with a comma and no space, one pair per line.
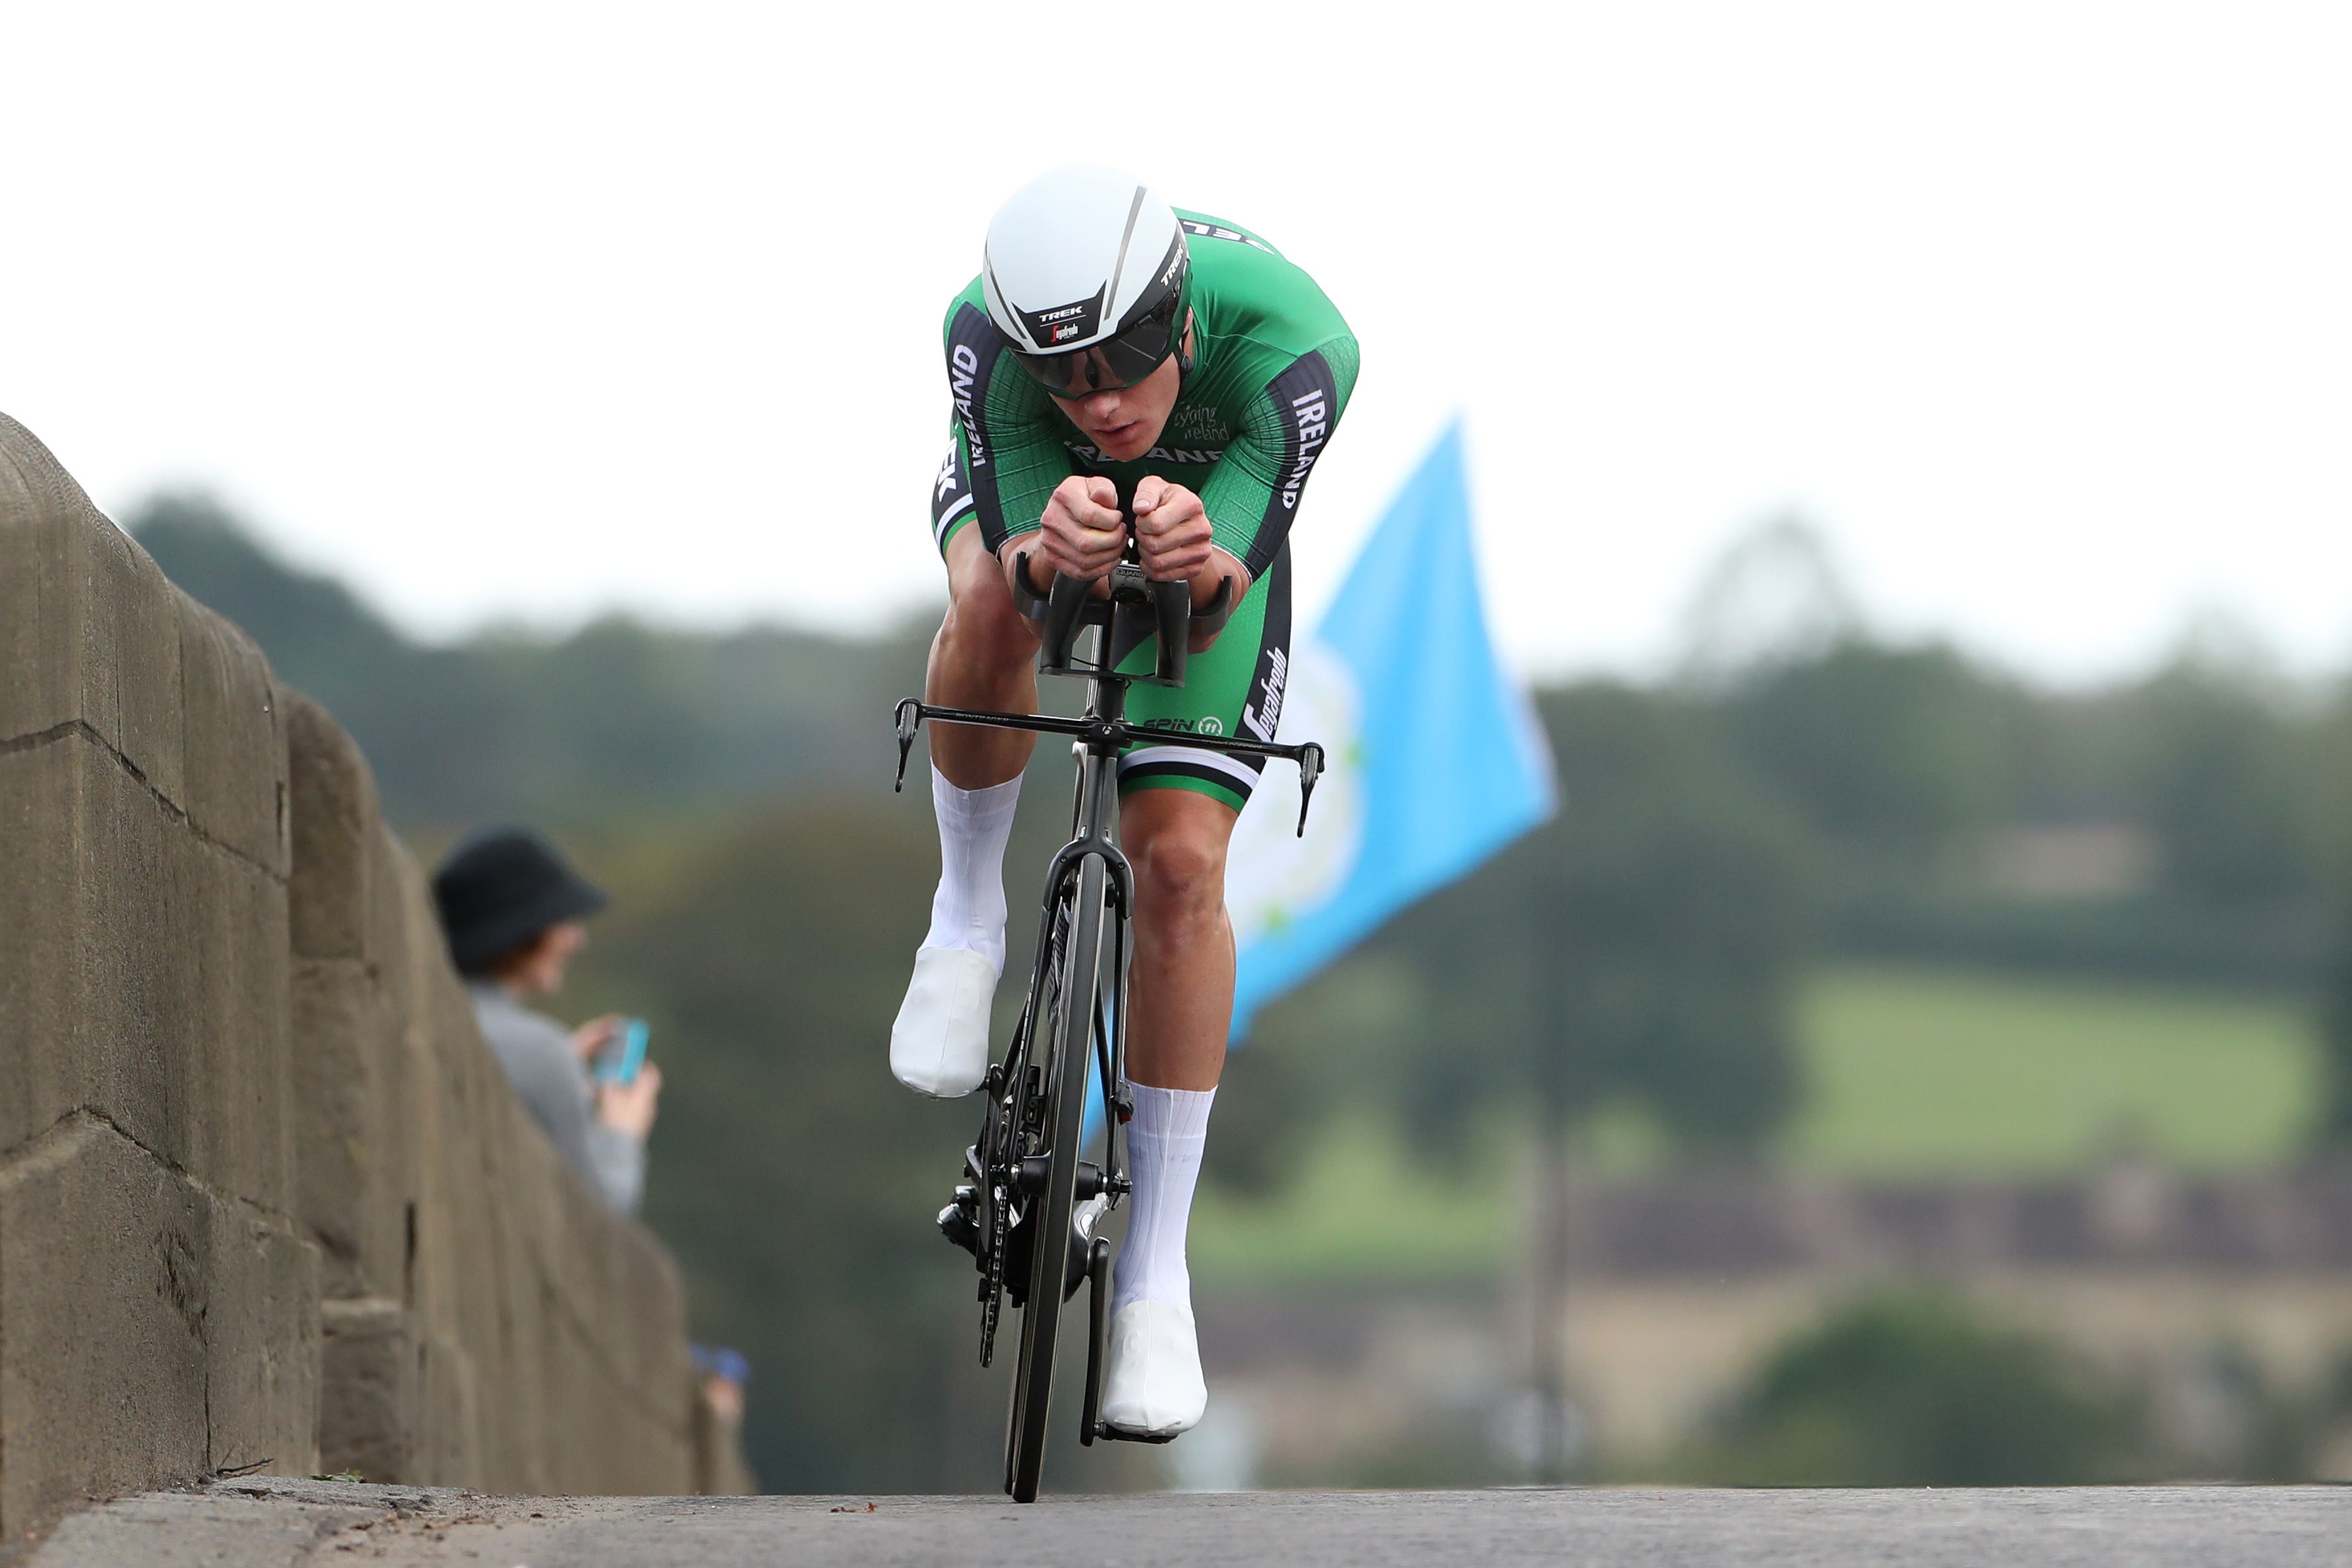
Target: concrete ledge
2021,1527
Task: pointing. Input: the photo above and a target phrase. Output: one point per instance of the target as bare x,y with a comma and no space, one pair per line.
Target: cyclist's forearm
1221,567
1031,543
1221,564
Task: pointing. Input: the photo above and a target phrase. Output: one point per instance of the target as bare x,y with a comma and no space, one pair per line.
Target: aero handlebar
1071,603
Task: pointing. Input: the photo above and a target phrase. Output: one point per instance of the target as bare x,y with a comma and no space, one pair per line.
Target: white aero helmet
1086,277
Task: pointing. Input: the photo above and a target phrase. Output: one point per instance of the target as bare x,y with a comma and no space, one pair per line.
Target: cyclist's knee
982,621
1179,858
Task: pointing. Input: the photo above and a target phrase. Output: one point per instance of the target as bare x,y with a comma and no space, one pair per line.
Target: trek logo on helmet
1063,323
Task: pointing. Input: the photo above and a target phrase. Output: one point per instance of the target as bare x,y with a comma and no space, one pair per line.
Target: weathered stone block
351,1187
224,1040
400,1403
334,834
572,1240
520,1432
143,971
449,1442
262,1332
87,972
88,631
371,1362
235,738
583,1404
391,873
106,1272
650,1321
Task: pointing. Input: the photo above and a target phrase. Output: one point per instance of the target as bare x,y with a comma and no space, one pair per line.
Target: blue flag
1436,756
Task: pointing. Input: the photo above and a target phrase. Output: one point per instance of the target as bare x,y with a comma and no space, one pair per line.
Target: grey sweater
549,1075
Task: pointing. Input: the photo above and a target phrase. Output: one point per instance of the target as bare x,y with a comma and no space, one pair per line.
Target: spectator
514,912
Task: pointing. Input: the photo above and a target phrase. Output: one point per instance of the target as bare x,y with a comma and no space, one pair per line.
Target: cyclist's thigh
1234,689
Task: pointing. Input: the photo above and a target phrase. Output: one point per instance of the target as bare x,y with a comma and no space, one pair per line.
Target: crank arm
1098,1337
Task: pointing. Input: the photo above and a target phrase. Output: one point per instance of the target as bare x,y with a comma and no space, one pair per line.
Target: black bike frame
1102,733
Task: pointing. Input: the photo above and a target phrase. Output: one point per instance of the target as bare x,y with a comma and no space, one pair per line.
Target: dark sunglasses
1116,362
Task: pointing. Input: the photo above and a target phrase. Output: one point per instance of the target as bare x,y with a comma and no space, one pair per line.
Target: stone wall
265,1197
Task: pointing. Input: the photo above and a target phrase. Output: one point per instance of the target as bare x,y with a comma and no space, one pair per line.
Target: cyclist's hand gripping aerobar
1084,534
1172,531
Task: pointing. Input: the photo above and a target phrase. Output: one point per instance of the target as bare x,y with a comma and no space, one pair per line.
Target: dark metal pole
1548,1358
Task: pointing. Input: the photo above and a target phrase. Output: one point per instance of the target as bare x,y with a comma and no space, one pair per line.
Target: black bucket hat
501,888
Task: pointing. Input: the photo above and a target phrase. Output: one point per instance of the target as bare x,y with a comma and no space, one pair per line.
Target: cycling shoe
1152,1387
938,1046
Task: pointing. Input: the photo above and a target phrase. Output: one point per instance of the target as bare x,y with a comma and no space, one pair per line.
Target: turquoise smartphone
624,1054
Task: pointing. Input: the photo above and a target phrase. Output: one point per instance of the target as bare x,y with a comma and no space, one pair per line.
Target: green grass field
1910,1073
1922,1071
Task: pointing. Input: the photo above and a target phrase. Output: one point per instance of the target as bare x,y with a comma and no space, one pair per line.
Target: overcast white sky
2041,309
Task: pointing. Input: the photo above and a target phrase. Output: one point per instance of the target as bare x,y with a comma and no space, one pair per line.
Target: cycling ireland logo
1274,878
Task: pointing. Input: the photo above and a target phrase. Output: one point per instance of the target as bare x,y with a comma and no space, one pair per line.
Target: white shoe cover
939,1047
1152,1386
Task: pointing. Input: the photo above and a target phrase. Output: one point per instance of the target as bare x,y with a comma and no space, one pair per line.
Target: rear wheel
1067,1032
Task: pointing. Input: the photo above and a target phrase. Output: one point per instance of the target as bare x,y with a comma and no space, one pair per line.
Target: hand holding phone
623,1055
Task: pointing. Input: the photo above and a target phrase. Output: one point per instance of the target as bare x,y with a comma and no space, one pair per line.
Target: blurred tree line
1828,791
1911,1387
615,722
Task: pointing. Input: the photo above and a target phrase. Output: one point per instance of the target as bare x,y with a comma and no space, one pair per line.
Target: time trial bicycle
1030,1205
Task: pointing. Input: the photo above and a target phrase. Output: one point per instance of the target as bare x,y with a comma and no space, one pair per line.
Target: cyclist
1117,353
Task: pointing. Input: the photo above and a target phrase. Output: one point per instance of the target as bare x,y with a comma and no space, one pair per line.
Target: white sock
968,912
1163,1152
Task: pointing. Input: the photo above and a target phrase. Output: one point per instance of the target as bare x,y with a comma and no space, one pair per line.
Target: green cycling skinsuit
1273,366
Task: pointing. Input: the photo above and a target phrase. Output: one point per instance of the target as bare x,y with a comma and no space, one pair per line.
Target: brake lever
1310,768
910,715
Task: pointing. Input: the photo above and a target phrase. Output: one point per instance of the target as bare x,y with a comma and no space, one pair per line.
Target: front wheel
1065,1030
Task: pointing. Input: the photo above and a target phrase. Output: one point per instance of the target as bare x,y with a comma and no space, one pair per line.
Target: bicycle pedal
960,1221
